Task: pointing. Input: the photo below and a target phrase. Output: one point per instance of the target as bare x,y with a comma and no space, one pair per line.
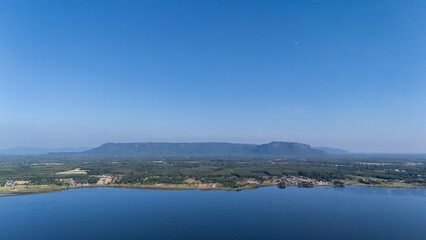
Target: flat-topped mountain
205,149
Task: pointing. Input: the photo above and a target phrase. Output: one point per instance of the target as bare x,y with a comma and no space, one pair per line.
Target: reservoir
264,213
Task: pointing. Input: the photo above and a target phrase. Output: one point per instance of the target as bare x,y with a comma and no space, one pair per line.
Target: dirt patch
166,185
74,171
104,180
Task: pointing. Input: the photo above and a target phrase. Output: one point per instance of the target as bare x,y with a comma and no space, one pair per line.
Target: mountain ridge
333,151
149,149
22,151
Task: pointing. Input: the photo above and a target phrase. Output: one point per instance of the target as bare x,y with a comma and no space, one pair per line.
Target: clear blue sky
347,74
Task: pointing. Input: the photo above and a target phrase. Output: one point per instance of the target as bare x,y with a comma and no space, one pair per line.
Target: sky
344,74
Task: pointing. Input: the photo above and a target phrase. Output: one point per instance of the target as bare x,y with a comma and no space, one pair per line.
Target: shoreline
183,188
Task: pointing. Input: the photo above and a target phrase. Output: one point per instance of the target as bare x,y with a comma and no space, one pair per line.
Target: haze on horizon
343,74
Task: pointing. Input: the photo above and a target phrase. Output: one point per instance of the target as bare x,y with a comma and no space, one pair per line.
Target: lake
264,213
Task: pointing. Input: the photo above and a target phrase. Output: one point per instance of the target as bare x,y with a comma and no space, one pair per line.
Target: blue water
265,213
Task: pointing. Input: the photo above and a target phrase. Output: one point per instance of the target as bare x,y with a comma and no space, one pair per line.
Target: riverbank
37,189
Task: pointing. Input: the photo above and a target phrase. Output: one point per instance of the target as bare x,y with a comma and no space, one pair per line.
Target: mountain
37,151
334,151
205,149
287,149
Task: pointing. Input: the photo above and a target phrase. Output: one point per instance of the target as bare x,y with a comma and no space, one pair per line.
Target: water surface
265,213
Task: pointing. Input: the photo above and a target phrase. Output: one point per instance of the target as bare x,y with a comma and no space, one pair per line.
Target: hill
21,151
334,151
